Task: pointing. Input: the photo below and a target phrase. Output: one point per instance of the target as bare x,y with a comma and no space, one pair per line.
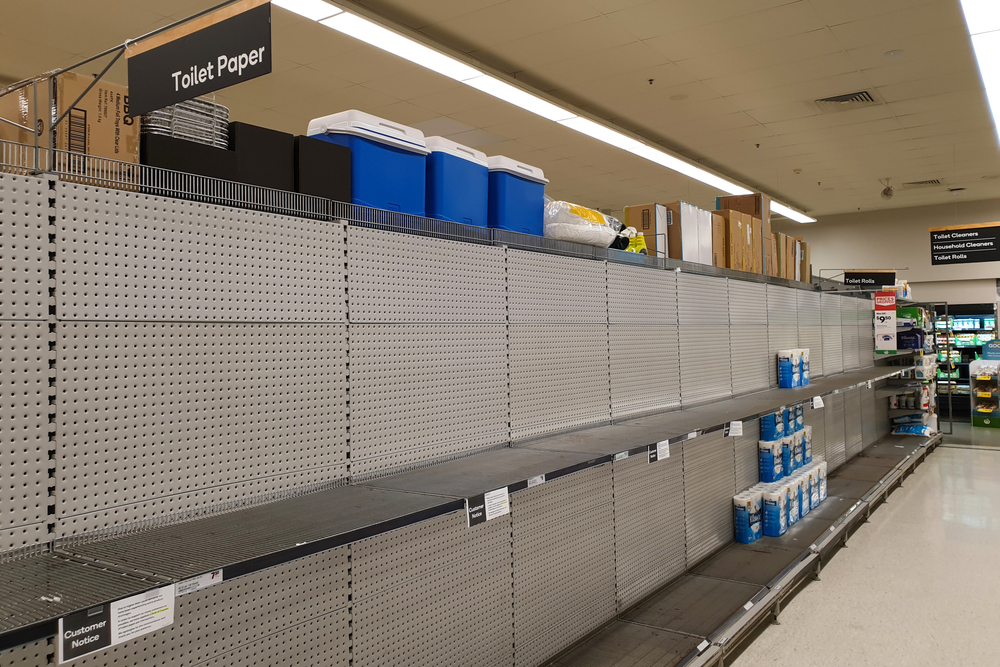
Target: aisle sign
208,54
869,278
965,244
885,321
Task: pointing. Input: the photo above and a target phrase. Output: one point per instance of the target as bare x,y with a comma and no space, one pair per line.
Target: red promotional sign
885,321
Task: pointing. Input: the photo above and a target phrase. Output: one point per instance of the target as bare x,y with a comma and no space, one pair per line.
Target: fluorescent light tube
404,47
983,20
314,10
680,166
981,15
602,133
790,213
518,97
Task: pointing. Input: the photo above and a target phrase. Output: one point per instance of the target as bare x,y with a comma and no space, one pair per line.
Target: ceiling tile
936,85
584,38
808,69
930,19
508,21
760,55
835,12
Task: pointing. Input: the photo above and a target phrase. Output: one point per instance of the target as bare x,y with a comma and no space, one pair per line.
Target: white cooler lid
366,125
501,163
442,145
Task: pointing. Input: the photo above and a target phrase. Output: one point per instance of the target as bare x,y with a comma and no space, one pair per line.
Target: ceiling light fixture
536,105
388,40
983,20
314,10
790,213
404,47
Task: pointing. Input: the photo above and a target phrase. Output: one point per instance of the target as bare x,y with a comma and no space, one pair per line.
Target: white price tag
868,384
198,583
621,456
662,450
692,435
537,480
497,503
735,428
817,402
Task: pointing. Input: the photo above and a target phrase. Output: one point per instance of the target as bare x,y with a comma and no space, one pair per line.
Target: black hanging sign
965,244
869,278
217,56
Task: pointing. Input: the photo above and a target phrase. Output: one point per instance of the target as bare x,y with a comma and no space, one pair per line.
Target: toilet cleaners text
965,245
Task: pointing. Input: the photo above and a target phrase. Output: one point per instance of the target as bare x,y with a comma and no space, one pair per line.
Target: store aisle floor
917,586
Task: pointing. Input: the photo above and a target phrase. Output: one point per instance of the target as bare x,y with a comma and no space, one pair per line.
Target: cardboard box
98,125
804,262
652,221
735,236
704,233
758,245
718,240
756,205
771,257
789,259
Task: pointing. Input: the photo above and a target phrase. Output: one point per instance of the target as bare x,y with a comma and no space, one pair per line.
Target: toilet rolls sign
965,244
209,54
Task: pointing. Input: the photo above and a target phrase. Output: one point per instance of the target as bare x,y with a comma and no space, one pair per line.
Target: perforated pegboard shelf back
125,256
24,248
153,418
397,278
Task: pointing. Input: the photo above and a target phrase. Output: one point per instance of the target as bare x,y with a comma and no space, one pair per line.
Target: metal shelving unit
315,446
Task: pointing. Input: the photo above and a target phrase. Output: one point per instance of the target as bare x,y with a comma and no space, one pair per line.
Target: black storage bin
322,169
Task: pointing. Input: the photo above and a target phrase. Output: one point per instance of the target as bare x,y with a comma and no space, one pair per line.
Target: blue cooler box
388,160
517,196
458,182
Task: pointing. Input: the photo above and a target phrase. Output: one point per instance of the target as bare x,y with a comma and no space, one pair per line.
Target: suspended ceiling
729,83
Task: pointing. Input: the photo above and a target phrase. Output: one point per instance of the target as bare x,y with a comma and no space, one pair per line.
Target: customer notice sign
965,244
209,54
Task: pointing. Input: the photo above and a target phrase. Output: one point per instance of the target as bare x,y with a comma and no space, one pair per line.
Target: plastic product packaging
774,501
822,481
814,487
807,444
772,426
792,494
800,417
788,416
786,369
796,367
571,222
787,454
804,371
769,454
798,455
804,493
747,516
913,429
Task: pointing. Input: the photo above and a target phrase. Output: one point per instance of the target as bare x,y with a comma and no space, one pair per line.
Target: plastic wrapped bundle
570,222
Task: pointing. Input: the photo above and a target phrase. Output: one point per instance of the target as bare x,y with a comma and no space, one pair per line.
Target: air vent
933,183
857,100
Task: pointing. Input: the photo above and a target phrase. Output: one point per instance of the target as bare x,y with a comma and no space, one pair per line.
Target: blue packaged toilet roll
786,369
774,508
772,426
787,458
800,417
807,444
769,460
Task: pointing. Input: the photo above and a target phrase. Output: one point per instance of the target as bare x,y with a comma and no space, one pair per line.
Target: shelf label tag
868,384
197,583
732,429
817,402
497,503
692,435
660,451
104,626
537,480
621,456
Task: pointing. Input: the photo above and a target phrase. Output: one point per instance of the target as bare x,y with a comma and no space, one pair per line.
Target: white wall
899,238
